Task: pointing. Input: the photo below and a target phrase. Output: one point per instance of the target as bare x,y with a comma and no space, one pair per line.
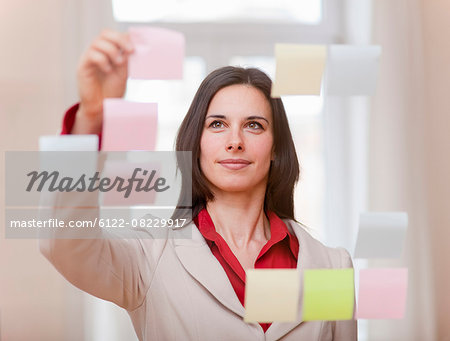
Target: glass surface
173,98
306,123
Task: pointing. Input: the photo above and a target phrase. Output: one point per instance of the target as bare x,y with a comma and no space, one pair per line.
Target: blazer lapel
197,259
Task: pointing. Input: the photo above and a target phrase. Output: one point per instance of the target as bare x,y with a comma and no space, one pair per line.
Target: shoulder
314,254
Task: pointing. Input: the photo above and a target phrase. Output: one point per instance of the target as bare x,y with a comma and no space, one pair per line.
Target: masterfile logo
118,178
94,183
96,194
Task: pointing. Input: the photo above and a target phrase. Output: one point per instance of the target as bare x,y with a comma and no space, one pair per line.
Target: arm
118,270
116,267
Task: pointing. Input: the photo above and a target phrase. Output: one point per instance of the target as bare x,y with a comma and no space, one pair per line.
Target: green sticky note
328,294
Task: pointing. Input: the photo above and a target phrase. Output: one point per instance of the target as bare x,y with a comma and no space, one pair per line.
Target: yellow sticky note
271,295
299,69
328,294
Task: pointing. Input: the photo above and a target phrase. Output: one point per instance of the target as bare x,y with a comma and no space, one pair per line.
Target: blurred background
387,152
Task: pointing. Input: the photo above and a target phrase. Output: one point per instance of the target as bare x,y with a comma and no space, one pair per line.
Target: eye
216,124
254,125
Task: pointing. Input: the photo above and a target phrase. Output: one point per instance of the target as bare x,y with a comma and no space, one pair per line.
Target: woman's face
236,146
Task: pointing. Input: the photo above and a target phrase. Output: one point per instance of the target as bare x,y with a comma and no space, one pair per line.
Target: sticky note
70,155
68,143
125,169
129,125
328,294
381,235
352,70
159,53
299,69
272,295
382,293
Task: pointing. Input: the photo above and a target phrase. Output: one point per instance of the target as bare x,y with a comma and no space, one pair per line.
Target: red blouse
281,251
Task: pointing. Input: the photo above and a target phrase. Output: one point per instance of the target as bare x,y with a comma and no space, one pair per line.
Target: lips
234,164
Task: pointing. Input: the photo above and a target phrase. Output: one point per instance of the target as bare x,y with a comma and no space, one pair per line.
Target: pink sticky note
129,125
159,53
124,169
382,293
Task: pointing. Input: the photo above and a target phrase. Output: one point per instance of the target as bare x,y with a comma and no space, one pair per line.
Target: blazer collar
196,257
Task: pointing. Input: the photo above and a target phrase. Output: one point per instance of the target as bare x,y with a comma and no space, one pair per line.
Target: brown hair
284,170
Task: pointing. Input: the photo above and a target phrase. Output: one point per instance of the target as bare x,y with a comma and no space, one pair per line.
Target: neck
239,217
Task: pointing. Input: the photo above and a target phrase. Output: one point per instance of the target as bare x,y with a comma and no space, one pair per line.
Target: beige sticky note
272,295
299,69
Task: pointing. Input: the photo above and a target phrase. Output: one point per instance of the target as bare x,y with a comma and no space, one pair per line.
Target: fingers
109,50
100,60
122,41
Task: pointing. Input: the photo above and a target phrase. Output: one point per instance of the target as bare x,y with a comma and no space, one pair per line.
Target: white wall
40,44
33,300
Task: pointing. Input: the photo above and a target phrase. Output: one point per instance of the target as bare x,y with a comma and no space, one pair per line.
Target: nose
232,146
235,142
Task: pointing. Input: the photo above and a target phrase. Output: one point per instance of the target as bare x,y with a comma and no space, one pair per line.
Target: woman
243,176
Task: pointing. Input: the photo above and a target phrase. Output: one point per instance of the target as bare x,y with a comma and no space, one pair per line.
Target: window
176,11
243,32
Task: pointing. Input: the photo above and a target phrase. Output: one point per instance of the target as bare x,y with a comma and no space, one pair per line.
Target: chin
234,189
238,186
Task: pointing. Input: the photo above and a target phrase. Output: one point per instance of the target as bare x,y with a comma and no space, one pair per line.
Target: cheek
264,149
208,148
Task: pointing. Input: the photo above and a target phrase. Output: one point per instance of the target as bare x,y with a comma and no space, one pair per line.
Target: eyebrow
254,117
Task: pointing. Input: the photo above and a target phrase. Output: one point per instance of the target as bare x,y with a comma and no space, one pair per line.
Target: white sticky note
68,154
272,295
81,143
381,235
299,69
71,156
352,70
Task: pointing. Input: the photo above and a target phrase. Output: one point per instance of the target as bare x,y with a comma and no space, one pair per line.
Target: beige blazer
175,289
